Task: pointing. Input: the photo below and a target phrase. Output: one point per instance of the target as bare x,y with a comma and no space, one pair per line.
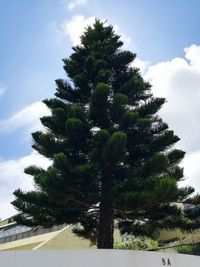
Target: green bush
184,250
141,243
192,250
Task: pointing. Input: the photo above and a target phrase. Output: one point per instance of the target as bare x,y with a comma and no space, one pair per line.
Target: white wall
95,258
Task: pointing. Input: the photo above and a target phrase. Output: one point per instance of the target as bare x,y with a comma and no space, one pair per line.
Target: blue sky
36,35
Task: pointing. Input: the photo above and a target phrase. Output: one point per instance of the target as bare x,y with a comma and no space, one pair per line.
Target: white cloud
192,170
124,37
178,80
12,171
27,117
75,27
76,3
192,54
140,64
13,177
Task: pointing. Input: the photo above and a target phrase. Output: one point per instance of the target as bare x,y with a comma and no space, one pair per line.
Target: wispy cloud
76,3
26,117
2,89
12,171
13,177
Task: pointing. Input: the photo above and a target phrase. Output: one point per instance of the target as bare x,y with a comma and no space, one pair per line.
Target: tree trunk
105,227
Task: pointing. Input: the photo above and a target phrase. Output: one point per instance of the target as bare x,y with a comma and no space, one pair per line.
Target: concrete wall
65,239
95,258
62,239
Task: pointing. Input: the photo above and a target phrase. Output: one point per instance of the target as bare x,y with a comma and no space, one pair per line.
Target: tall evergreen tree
112,156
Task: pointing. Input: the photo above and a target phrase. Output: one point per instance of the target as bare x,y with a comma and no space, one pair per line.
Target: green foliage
185,250
115,148
140,243
99,105
193,249
112,157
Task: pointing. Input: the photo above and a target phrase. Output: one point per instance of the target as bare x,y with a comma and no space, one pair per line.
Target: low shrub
141,243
